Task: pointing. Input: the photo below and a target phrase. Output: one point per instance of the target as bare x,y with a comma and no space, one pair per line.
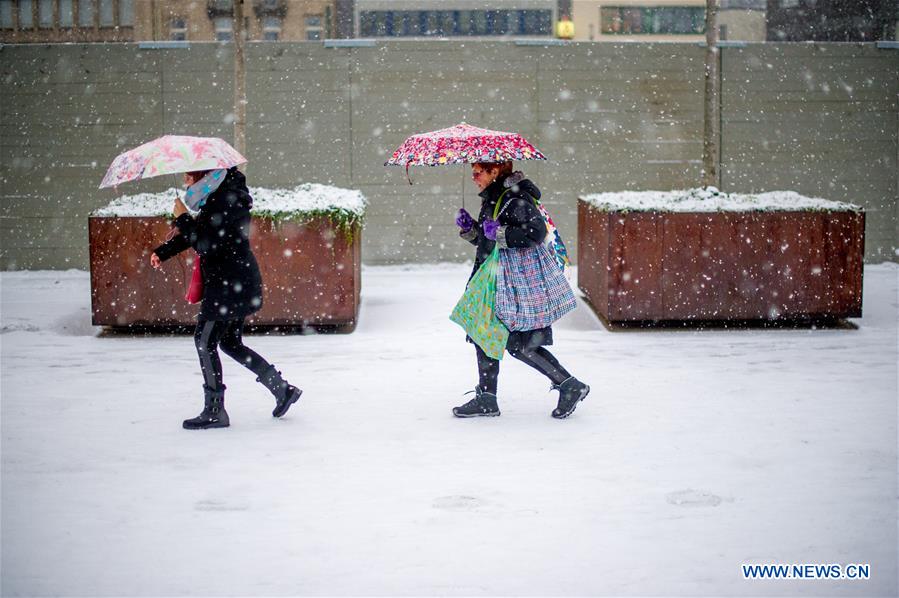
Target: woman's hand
464,220
179,207
490,228
155,261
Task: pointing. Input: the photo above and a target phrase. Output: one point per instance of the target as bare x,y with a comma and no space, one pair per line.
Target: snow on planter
713,200
307,240
304,202
700,254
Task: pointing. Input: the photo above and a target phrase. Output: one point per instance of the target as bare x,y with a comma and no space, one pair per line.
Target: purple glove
464,220
490,228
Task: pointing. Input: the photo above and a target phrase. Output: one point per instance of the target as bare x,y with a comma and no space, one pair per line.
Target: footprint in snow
458,503
218,505
694,498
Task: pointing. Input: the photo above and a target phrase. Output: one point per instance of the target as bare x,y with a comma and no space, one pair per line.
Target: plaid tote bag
531,289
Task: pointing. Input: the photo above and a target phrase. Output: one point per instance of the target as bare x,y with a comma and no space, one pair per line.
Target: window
45,14
86,13
446,23
26,20
314,27
373,23
6,14
271,28
178,29
478,22
464,22
432,22
66,13
107,13
223,29
500,21
661,20
406,23
536,22
126,13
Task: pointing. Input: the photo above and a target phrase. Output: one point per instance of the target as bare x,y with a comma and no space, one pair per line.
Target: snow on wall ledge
712,200
304,200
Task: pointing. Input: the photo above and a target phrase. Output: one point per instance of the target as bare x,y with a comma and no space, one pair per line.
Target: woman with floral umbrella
510,218
230,282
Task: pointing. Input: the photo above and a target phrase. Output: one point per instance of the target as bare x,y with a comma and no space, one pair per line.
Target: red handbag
195,287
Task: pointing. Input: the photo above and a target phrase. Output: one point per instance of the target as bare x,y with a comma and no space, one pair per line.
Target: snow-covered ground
696,452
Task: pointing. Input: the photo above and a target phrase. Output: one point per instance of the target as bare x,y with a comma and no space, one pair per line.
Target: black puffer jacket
521,225
232,285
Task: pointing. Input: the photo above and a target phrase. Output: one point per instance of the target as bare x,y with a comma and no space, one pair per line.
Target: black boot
482,405
285,394
214,414
571,392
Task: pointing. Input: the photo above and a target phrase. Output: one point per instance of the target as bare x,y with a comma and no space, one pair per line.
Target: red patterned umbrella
463,144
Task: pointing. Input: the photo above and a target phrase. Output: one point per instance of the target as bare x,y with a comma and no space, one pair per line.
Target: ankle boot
285,394
214,414
571,392
482,405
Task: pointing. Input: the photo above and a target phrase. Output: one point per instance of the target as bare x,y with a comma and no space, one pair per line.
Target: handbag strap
497,211
499,201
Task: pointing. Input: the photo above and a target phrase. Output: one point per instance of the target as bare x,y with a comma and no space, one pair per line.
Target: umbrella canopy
171,154
463,144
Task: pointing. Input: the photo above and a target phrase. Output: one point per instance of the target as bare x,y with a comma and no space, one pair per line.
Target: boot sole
215,425
584,394
466,416
280,411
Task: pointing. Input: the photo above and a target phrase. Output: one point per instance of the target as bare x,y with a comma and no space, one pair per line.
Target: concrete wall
743,25
820,119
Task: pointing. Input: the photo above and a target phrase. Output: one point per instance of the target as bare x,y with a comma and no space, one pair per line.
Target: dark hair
199,174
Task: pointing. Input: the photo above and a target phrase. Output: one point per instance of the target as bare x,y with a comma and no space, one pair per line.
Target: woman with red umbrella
519,225
509,218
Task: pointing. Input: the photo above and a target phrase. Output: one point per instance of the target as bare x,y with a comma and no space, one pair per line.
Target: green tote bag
474,311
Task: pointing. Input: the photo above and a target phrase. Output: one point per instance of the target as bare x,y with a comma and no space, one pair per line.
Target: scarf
196,194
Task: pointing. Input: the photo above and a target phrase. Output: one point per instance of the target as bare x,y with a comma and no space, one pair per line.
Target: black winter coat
521,225
220,234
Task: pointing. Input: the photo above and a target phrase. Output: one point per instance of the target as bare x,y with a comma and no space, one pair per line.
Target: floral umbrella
171,154
463,144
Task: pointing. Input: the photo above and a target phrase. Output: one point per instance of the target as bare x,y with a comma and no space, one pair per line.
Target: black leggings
540,359
227,334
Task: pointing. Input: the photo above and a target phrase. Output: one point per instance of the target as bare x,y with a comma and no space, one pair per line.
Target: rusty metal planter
661,266
311,274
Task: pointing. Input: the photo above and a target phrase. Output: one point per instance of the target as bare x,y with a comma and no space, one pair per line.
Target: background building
832,20
639,20
24,21
147,20
454,18
742,20
665,20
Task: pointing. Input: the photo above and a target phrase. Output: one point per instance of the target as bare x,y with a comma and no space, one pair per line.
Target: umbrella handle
463,189
407,173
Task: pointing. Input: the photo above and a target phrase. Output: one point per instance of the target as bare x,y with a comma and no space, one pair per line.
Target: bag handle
497,211
499,201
